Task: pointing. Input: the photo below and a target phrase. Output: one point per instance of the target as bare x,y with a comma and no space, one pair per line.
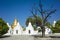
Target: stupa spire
14,23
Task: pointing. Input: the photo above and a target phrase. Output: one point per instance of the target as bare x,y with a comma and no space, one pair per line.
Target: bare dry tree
45,14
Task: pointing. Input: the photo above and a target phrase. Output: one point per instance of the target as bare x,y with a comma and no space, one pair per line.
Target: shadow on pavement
38,36
4,36
55,36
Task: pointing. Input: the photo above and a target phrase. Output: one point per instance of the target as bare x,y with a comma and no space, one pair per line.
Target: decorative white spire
8,24
54,23
29,23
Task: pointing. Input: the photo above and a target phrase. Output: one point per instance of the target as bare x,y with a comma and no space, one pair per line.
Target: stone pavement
26,37
17,37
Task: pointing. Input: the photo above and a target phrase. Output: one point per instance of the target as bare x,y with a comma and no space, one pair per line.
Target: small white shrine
30,30
16,29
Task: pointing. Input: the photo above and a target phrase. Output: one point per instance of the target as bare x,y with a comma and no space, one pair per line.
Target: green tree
29,19
3,27
48,25
33,20
57,23
56,29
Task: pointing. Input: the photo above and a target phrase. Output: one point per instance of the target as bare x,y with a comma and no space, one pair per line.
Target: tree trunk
43,32
43,29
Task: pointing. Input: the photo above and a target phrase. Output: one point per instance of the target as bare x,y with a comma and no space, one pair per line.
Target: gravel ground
26,37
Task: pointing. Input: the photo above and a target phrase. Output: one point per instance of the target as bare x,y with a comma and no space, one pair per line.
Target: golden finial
14,23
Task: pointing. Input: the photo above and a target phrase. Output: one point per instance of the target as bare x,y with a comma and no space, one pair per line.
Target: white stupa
16,28
30,30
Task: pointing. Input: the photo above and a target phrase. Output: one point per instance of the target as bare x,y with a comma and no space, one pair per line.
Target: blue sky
9,9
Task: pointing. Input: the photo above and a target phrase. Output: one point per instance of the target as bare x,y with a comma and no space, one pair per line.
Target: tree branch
33,14
51,12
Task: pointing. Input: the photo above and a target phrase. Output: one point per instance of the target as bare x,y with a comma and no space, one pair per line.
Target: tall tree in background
3,27
45,14
56,29
29,19
32,20
57,23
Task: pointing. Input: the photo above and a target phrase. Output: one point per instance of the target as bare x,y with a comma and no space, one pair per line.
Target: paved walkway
17,37
20,37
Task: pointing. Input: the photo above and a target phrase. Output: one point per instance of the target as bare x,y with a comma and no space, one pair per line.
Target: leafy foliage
38,20
34,21
30,20
3,27
56,29
48,25
57,23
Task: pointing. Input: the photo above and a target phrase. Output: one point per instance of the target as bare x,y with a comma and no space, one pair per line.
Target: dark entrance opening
17,31
29,31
